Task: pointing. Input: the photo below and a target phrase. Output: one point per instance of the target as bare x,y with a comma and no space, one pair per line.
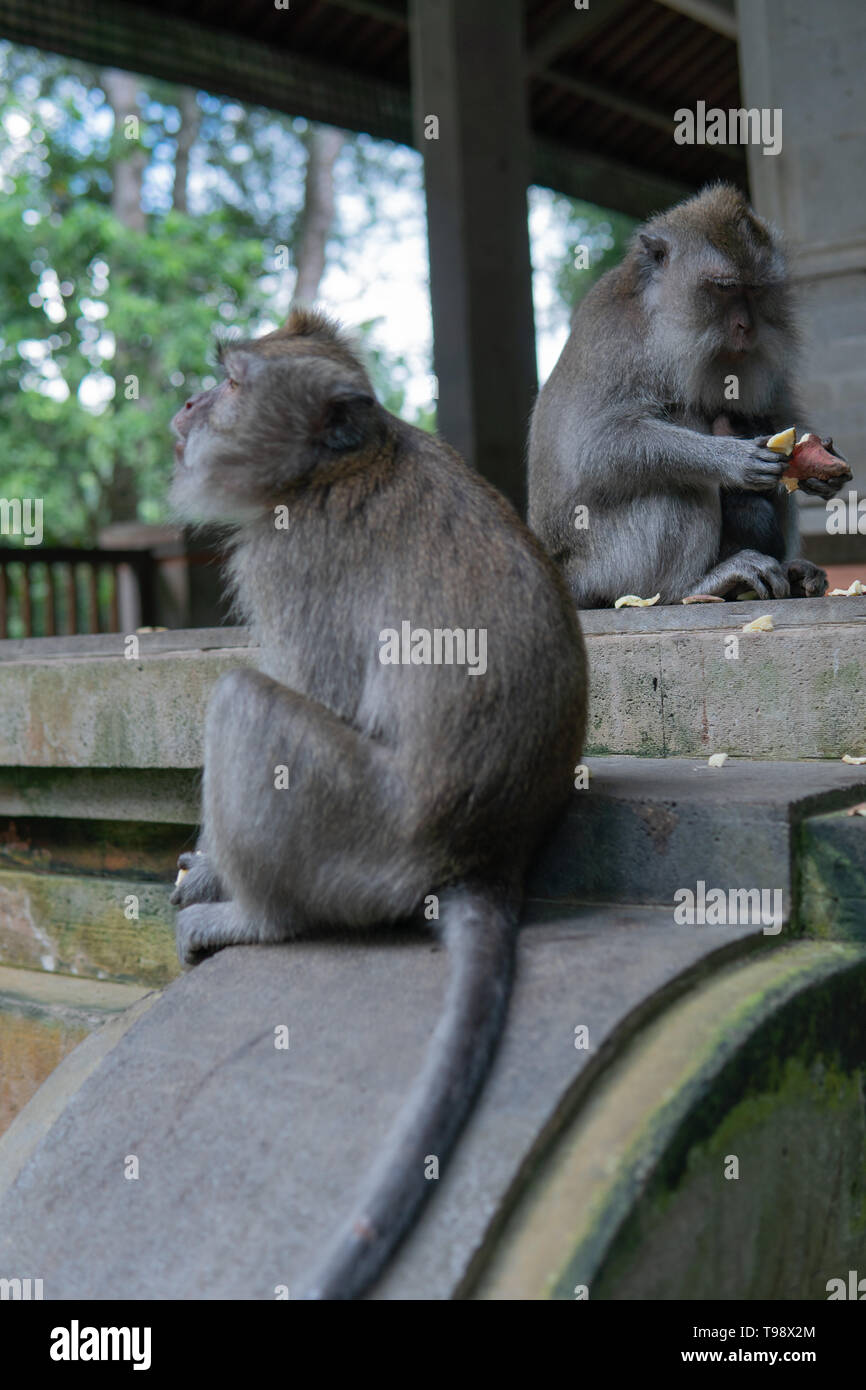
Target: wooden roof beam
707,12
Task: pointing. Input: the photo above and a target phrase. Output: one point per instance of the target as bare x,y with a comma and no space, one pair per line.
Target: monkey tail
479,925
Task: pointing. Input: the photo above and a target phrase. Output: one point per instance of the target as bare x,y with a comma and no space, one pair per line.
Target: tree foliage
105,330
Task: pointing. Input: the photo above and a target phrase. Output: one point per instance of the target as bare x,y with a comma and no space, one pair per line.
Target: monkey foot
806,580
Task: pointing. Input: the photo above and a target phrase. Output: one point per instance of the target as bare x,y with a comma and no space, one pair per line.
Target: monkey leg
748,569
309,822
806,580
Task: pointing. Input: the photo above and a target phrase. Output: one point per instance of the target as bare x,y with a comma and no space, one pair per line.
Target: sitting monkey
648,471
362,548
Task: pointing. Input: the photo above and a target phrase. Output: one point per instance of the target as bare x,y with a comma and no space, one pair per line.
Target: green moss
793,1218
79,926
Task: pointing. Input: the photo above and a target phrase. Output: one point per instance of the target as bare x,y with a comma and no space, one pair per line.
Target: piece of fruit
855,762
810,457
813,458
703,598
181,875
853,590
632,601
717,759
762,624
783,442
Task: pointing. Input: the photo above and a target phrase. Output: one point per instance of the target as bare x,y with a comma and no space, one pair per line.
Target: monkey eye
725,286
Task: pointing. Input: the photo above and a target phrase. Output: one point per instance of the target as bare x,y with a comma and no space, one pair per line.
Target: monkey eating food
649,469
429,779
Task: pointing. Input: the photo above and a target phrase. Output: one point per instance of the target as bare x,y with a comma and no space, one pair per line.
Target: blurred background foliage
141,222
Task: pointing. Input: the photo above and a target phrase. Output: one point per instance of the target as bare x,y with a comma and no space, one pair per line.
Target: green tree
129,246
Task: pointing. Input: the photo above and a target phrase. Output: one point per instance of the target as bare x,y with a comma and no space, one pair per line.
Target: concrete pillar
469,94
808,59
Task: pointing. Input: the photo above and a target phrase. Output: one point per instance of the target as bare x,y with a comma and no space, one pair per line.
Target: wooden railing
48,591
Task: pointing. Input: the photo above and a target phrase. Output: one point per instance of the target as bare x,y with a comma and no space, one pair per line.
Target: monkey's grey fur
624,425
404,781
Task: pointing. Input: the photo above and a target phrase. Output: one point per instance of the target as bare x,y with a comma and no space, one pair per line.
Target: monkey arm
656,452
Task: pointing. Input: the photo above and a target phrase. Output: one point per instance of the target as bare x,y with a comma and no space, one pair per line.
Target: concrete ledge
795,692
141,794
42,1018
647,827
833,876
250,1155
661,686
27,1128
719,617
644,829
64,710
637,1196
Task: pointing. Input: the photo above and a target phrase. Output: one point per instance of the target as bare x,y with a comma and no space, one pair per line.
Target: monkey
648,466
410,783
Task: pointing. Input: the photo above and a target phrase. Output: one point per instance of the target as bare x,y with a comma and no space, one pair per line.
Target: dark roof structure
602,83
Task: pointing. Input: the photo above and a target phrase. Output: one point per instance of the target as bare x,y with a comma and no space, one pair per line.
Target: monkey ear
345,420
654,249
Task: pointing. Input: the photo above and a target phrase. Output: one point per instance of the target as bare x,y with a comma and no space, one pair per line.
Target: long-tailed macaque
648,471
412,730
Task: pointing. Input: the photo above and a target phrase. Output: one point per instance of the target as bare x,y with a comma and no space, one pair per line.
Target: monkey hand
806,579
821,487
751,465
197,881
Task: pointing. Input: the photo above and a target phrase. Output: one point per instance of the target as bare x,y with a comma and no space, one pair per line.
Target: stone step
833,877
104,927
664,682
89,903
646,828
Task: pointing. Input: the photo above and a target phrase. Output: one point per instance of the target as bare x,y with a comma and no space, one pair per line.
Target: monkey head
295,407
714,285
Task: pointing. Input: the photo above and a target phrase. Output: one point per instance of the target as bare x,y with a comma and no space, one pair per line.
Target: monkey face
294,405
745,315
713,281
